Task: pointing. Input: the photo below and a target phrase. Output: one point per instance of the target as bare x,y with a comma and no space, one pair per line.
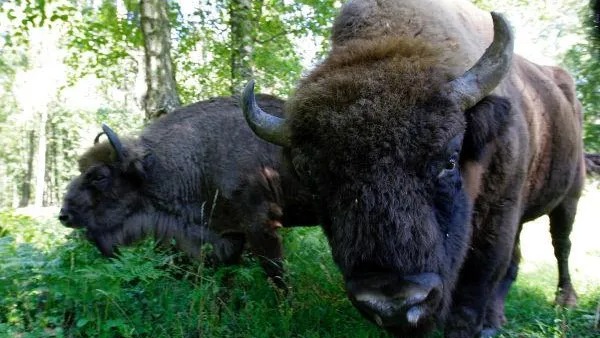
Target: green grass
53,283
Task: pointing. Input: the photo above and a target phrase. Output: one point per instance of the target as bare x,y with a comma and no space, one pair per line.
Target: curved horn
97,138
114,141
266,126
489,70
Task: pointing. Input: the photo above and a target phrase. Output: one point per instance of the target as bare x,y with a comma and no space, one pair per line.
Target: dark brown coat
422,200
198,175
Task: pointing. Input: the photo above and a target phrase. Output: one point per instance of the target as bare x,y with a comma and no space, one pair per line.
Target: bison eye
450,166
100,182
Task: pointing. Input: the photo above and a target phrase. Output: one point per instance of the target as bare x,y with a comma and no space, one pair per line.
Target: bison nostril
392,300
64,217
414,314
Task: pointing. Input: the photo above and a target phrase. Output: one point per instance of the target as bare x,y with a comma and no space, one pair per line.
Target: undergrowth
55,284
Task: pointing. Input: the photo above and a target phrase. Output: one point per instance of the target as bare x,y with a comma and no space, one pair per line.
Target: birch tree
161,94
240,22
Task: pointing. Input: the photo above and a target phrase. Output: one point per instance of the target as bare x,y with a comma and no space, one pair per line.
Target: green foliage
583,61
490,5
104,42
557,22
54,283
27,15
277,60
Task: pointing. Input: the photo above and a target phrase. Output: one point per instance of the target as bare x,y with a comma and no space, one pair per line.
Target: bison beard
423,177
180,181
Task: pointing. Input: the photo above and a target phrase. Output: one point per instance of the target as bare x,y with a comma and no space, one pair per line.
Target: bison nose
397,301
64,217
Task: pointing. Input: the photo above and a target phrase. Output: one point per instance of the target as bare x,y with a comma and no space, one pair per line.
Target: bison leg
561,224
231,248
494,314
267,247
483,271
227,248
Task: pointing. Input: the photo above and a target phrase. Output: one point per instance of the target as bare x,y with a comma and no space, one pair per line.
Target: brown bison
424,172
198,175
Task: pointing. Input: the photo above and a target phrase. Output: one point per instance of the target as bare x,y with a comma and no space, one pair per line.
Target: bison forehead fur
369,96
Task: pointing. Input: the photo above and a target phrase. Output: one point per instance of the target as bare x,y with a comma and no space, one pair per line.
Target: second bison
198,175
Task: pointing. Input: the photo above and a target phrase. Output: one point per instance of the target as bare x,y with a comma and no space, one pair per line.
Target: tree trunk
26,184
240,14
595,5
56,196
161,93
40,172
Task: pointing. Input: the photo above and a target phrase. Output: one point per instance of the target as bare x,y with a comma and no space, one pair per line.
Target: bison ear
487,120
141,168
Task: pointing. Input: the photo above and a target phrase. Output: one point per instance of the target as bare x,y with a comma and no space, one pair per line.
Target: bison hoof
566,297
488,332
463,323
494,317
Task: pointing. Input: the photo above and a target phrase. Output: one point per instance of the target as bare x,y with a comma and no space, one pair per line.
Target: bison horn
266,126
97,138
489,70
114,141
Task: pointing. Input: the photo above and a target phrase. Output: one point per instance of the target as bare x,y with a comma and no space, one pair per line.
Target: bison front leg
227,248
482,275
494,314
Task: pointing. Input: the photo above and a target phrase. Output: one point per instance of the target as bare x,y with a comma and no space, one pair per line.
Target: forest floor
55,284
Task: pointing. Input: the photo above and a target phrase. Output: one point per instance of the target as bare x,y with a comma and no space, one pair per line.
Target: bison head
385,137
107,193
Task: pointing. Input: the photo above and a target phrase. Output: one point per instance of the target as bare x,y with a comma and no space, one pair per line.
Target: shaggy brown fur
378,141
197,175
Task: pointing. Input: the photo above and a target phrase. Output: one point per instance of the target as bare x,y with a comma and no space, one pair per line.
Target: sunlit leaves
583,61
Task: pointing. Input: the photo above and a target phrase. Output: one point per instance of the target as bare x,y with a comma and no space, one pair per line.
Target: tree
26,183
263,39
92,68
583,61
42,126
595,20
161,95
240,23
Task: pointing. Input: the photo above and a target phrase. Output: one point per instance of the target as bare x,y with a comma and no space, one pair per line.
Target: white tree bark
241,25
161,95
40,170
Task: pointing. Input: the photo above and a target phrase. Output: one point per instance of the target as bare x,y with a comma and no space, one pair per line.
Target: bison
425,172
198,175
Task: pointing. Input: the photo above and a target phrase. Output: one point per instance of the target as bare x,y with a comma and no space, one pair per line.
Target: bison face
104,195
382,133
393,184
396,213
